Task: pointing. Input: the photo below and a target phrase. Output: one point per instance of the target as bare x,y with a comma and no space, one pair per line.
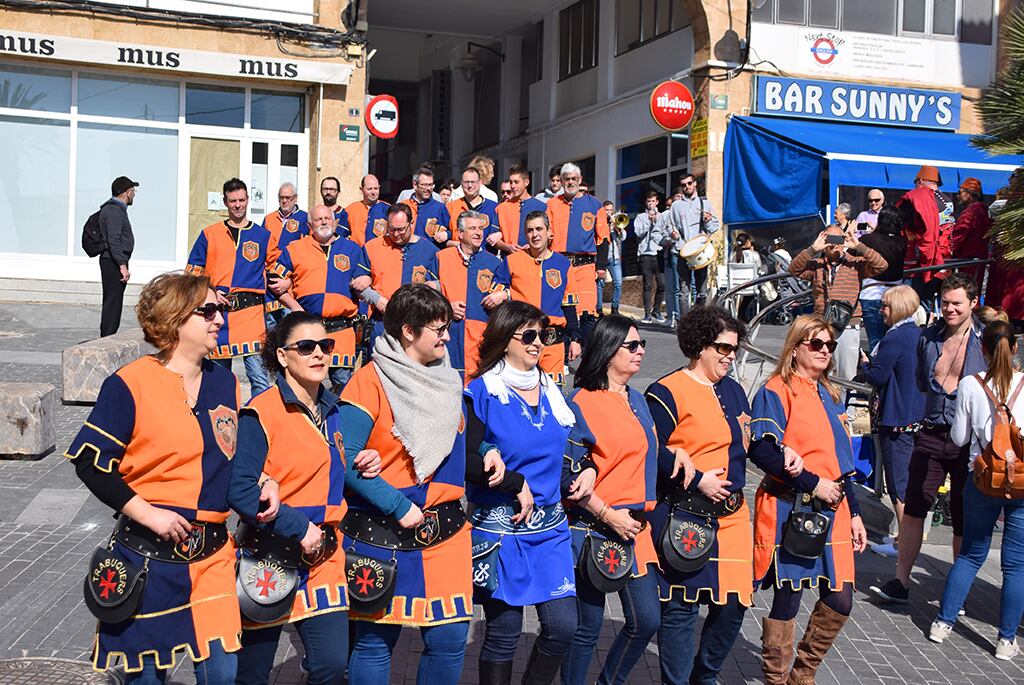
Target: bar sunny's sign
860,103
118,54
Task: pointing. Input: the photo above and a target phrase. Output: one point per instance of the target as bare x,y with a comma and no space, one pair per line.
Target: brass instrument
620,221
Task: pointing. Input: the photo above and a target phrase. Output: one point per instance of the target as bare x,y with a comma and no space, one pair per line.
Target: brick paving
43,550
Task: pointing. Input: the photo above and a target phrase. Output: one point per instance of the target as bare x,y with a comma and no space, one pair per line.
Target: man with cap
968,240
927,218
119,242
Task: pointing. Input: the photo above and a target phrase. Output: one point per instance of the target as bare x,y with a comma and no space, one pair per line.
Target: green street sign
348,133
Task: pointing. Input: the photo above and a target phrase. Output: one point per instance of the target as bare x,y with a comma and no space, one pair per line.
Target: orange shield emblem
487,221
744,421
379,226
342,262
338,442
419,274
251,250
291,225
553,277
431,227
225,429
483,280
588,220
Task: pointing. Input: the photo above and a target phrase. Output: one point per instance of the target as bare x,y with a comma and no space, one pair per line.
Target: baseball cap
121,184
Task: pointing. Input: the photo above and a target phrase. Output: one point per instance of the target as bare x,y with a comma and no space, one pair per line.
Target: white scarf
426,401
502,376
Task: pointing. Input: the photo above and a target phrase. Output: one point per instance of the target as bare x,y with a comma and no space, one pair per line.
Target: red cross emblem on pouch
612,561
266,583
365,581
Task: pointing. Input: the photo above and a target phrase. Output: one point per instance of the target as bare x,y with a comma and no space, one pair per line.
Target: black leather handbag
806,531
838,315
607,563
371,581
114,585
686,542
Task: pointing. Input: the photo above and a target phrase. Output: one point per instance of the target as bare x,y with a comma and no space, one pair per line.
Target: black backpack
92,236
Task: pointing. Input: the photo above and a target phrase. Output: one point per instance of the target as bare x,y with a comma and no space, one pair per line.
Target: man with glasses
513,210
691,216
321,266
870,215
235,255
287,222
430,217
368,217
330,188
506,190
391,261
579,226
472,200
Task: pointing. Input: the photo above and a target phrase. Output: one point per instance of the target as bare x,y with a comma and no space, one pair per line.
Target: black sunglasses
547,336
724,348
816,344
306,347
209,310
634,345
440,330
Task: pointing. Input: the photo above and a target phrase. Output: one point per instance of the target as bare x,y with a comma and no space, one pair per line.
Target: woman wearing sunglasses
806,525
702,524
407,405
521,545
292,434
612,441
158,448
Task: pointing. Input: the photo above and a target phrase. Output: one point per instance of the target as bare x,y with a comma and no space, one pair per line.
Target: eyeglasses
209,310
425,185
634,345
688,183
306,347
873,200
724,348
440,330
817,344
547,336
286,197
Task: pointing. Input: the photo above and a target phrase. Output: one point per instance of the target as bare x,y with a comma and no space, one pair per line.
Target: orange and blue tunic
802,416
143,438
321,282
343,226
284,229
487,207
579,227
618,436
512,218
365,223
236,261
465,280
391,266
433,585
549,285
712,423
428,218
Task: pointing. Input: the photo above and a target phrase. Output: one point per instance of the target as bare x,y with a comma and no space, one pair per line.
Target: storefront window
106,152
214,106
47,90
642,158
129,98
33,185
277,111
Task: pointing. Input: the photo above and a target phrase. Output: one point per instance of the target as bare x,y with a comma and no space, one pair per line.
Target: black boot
542,668
495,672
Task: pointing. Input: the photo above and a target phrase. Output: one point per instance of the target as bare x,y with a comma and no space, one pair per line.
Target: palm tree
1002,115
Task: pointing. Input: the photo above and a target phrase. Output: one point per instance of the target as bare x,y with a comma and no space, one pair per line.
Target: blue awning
774,167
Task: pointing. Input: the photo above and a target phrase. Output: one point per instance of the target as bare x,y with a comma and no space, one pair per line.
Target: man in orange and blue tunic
512,211
391,261
330,188
579,226
464,274
367,218
235,254
472,200
321,266
430,217
287,222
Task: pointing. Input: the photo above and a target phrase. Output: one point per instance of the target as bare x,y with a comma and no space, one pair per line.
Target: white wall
664,57
290,11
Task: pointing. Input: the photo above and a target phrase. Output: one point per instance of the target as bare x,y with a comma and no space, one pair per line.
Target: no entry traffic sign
672,105
382,116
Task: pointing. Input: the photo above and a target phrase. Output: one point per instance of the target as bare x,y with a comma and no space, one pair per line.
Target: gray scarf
426,402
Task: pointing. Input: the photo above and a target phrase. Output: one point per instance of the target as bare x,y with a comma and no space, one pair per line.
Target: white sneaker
886,550
647,319
1006,649
939,631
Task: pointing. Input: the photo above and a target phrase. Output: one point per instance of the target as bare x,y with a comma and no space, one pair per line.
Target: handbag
685,543
114,585
265,588
485,561
606,563
838,315
371,581
806,531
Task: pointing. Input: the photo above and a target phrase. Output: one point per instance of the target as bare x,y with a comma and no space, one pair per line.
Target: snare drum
698,251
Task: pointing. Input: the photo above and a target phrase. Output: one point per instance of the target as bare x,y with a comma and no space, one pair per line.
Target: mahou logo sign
672,105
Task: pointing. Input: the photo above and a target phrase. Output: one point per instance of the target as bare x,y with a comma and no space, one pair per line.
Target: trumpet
620,221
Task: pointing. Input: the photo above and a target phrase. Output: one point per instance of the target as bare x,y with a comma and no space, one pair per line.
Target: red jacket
968,240
921,229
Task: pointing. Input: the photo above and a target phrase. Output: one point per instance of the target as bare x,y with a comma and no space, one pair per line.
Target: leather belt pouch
114,585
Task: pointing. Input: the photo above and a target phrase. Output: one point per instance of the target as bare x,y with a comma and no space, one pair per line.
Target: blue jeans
643,615
671,284
682,662
873,323
978,526
325,638
444,648
259,379
505,624
615,269
217,669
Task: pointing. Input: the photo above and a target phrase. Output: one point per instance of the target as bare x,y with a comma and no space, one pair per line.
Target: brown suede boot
776,649
822,629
